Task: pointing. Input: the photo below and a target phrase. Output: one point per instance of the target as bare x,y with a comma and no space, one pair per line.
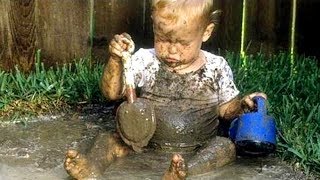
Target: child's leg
107,147
219,152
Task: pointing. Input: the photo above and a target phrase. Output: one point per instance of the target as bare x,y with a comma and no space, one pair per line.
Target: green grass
46,90
293,97
293,100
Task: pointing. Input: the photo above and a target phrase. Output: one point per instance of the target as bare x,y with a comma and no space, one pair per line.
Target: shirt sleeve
137,65
143,66
227,87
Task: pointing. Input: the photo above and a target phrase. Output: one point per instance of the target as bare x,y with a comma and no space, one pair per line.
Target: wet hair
174,9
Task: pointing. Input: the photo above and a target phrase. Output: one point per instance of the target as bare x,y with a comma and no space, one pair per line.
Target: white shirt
216,75
185,104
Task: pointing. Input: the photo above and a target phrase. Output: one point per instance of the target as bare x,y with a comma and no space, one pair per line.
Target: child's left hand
248,99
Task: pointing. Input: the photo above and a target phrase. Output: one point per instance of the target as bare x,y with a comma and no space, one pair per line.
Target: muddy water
35,150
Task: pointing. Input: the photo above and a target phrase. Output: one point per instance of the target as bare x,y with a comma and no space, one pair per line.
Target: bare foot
106,149
77,165
177,169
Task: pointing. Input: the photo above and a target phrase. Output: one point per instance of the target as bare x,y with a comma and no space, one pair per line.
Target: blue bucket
254,133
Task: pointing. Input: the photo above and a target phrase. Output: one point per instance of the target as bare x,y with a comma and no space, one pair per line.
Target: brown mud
35,150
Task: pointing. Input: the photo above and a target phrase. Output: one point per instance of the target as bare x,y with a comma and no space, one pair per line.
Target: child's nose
172,48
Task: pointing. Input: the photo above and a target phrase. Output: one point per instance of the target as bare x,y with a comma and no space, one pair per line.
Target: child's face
177,43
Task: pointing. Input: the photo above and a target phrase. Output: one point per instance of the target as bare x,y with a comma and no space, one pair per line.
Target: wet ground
35,150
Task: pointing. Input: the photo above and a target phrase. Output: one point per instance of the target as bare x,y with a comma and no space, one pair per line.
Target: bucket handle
260,101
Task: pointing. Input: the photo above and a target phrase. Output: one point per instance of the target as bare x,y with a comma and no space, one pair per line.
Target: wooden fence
70,29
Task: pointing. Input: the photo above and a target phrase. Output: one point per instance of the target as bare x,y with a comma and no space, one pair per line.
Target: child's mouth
170,60
172,64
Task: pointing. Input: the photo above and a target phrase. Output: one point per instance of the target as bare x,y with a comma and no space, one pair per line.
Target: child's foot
177,169
106,149
77,165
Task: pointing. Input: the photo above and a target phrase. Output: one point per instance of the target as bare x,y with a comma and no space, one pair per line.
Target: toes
177,169
178,161
176,158
75,164
72,160
72,154
178,165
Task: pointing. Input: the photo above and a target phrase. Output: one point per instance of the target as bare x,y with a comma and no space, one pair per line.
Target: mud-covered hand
248,102
120,45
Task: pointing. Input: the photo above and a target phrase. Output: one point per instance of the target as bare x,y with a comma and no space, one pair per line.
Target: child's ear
207,32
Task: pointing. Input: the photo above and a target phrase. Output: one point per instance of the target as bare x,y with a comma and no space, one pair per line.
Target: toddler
191,91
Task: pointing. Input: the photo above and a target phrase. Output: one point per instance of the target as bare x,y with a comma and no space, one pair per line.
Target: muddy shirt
185,104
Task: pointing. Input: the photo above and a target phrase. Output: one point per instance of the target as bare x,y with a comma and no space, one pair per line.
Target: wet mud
136,123
35,150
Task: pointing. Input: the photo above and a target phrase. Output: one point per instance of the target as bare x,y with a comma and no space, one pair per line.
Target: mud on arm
111,84
231,109
112,81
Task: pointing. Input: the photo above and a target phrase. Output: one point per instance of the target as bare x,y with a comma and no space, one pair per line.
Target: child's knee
220,151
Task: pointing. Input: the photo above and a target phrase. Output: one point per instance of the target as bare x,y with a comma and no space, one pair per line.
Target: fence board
261,26
17,33
62,30
114,17
4,47
59,28
308,37
228,33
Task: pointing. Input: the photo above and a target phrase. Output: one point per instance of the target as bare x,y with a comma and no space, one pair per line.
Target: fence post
243,33
293,30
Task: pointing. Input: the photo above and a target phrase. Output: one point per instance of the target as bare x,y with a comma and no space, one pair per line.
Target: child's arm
111,81
232,109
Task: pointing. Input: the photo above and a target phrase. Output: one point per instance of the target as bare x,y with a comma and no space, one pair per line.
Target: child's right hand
248,102
119,44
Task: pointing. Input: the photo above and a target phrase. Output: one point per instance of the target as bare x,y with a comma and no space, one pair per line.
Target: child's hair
172,9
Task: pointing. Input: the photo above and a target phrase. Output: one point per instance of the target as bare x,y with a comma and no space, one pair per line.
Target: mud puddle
35,150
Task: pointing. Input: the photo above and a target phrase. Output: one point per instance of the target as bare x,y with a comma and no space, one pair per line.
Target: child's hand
248,99
119,44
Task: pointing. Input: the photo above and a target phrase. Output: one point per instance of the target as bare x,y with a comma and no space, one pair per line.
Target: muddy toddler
191,91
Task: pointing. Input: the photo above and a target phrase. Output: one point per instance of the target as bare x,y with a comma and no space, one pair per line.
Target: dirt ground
35,150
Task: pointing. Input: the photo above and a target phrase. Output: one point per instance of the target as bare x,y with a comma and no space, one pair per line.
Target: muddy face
177,42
